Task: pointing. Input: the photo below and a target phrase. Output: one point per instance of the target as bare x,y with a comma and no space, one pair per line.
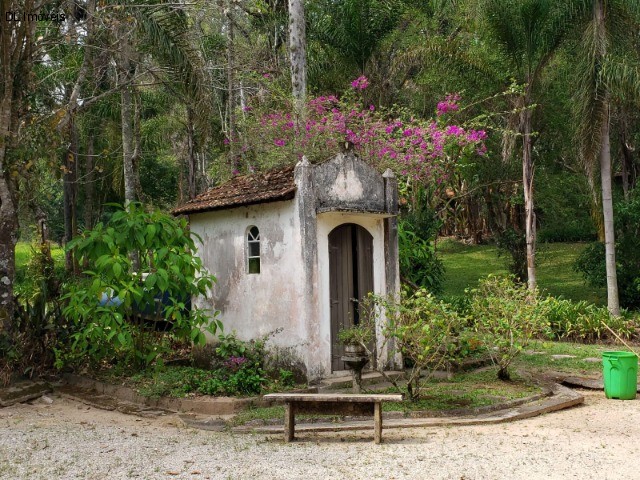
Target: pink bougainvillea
360,83
424,150
450,104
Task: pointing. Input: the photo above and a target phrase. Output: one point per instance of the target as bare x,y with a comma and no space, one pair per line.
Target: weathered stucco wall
255,304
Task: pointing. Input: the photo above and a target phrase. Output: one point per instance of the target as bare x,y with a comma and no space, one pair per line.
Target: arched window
253,250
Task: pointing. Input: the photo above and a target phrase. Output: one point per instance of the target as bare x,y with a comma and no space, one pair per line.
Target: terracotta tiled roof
265,187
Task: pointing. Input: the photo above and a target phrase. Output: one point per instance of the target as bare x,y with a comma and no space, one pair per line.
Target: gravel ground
66,440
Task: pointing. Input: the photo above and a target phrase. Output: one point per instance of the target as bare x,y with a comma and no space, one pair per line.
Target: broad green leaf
117,269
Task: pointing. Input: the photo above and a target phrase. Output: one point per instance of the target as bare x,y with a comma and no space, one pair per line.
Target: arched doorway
350,280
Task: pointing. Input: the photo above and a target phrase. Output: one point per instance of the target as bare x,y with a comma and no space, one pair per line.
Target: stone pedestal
356,364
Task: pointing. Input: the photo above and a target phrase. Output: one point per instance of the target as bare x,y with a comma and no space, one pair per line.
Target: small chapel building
295,249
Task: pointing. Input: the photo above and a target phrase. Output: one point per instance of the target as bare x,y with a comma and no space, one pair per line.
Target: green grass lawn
24,251
537,358
465,264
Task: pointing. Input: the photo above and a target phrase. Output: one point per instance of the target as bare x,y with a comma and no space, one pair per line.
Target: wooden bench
332,404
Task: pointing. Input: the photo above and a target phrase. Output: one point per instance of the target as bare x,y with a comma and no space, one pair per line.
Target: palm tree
528,34
159,31
604,72
344,36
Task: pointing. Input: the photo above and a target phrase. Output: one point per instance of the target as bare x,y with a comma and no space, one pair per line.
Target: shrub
590,263
425,331
562,207
583,321
141,264
248,379
507,316
237,367
230,346
181,381
38,327
356,335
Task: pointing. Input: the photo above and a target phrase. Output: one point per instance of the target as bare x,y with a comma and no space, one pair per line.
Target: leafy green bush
38,327
590,263
39,275
230,346
459,303
507,316
246,380
141,264
238,368
583,321
562,207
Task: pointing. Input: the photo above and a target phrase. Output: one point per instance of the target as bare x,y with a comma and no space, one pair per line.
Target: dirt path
65,440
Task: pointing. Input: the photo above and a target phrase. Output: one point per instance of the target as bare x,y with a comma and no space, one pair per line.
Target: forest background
525,111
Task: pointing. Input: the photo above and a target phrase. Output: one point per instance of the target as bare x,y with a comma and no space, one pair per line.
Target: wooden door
350,280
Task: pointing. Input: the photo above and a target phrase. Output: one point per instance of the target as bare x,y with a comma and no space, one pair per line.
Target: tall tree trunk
527,184
298,56
596,203
627,157
126,73
231,85
70,189
613,302
8,221
126,113
192,154
16,51
136,158
89,187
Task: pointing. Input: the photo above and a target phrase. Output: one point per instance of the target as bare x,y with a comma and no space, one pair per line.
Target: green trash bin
620,375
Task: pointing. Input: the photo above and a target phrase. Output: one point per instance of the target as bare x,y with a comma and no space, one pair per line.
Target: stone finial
304,162
388,173
390,192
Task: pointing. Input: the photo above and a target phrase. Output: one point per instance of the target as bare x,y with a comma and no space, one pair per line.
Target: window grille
253,250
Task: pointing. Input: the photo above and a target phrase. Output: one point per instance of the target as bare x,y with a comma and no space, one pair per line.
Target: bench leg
289,422
377,422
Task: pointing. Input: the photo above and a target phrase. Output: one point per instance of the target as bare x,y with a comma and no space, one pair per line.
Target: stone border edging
554,397
200,405
561,397
23,391
204,405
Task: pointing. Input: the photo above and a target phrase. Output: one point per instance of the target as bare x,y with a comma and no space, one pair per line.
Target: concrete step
346,381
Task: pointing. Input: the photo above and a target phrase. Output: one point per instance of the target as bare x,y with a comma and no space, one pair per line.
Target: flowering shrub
423,150
234,363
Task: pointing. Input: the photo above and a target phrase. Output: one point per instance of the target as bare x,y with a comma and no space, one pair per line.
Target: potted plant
355,339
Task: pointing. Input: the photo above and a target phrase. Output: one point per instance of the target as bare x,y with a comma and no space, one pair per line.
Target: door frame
319,327
351,278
